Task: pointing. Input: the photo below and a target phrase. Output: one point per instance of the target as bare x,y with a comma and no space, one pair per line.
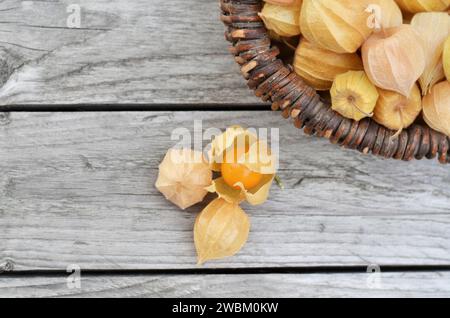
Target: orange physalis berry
233,173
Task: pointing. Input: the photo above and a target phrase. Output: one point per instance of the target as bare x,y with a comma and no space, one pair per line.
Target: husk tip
201,261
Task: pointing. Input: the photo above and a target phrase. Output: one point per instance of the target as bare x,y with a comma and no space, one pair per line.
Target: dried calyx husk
436,108
396,111
446,58
220,230
252,154
415,6
283,20
318,67
386,14
353,95
336,25
394,59
248,169
183,177
434,28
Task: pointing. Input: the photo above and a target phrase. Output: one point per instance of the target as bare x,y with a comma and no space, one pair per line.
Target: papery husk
387,15
395,111
183,177
224,191
434,28
284,21
353,95
416,6
259,194
318,67
223,146
340,26
220,230
255,196
446,58
257,157
394,59
436,108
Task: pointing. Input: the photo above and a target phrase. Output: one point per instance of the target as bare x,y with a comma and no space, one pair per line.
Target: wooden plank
144,52
428,284
77,188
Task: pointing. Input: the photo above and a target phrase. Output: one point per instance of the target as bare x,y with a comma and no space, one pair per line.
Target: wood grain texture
430,284
144,52
78,188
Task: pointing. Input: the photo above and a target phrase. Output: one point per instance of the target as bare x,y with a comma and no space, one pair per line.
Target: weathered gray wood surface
77,188
414,284
140,51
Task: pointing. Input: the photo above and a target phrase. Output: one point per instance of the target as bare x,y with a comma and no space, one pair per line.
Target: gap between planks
235,271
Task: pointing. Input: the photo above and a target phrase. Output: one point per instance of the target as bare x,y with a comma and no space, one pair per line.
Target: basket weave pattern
274,81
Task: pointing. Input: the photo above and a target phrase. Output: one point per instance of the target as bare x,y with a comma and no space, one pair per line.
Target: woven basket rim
274,81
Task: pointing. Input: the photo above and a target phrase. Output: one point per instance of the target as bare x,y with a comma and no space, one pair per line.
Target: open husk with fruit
384,59
245,168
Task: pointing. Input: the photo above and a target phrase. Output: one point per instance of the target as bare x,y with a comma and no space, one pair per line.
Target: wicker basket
273,80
